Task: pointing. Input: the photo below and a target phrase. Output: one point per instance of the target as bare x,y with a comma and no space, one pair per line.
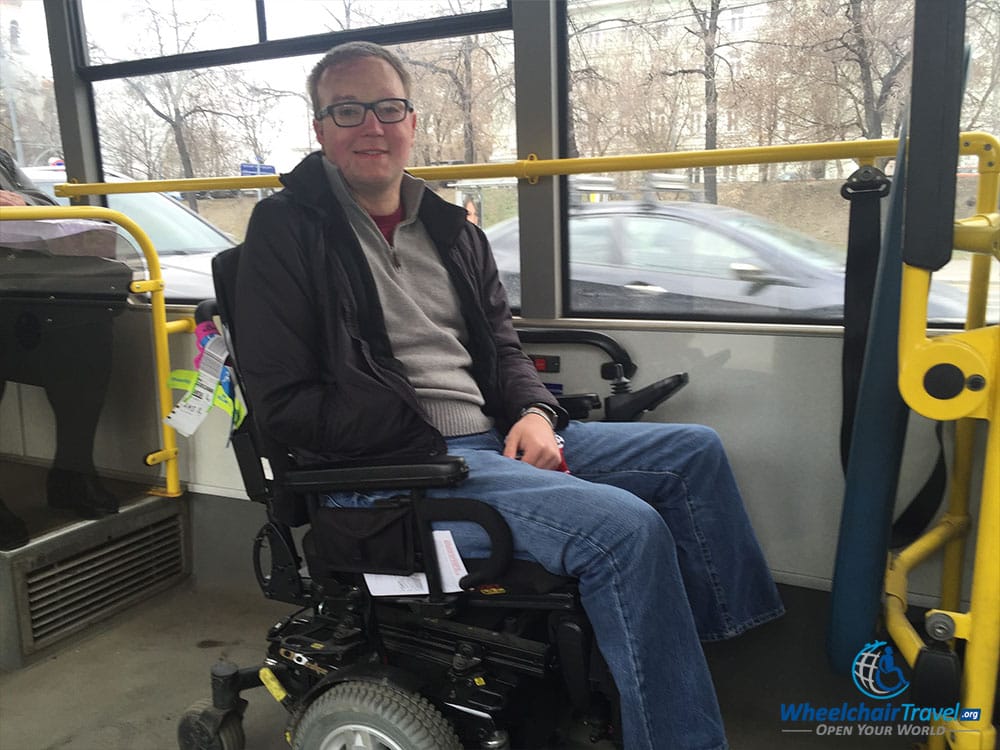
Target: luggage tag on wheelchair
225,397
186,417
449,563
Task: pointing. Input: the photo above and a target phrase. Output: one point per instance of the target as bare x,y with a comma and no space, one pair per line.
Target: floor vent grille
66,595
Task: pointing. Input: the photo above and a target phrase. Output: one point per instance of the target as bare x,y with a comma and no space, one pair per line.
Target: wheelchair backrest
249,443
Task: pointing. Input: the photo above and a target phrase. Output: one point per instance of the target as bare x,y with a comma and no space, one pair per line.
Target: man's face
372,155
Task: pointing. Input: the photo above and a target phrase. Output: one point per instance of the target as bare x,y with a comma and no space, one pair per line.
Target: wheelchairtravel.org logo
877,676
876,673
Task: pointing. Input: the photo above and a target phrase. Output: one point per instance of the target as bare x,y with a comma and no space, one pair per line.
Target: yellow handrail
166,455
975,143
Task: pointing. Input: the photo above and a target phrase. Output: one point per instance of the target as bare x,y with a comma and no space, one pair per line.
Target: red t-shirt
387,224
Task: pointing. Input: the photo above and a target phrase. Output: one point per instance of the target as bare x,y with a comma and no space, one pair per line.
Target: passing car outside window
688,260
184,241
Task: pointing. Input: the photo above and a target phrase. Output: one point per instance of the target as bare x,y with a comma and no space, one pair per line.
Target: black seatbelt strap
864,189
922,508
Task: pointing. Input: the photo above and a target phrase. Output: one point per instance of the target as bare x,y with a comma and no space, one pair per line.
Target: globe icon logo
876,673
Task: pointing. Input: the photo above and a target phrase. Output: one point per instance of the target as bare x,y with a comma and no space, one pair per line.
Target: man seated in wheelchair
380,331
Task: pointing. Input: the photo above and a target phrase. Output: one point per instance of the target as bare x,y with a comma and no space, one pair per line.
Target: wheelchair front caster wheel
366,714
203,727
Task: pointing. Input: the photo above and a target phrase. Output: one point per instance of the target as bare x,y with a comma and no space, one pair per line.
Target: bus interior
117,631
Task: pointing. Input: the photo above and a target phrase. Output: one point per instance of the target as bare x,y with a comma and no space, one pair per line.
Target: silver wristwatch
542,410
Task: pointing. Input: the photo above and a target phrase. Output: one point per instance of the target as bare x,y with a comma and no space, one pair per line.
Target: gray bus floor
124,684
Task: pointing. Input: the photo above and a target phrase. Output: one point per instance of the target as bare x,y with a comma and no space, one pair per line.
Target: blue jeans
651,523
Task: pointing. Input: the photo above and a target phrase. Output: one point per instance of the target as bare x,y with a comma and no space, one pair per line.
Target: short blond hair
354,51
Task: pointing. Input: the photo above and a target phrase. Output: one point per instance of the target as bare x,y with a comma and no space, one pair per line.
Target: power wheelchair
489,667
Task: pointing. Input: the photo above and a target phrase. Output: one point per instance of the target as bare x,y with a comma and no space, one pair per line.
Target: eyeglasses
352,114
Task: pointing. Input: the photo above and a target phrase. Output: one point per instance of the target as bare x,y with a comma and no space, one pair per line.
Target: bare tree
29,126
877,43
213,117
343,14
459,86
138,138
982,100
757,103
827,70
619,99
789,90
451,65
851,57
594,85
707,32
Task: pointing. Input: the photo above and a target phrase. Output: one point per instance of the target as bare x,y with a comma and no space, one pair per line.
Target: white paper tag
449,563
383,585
191,410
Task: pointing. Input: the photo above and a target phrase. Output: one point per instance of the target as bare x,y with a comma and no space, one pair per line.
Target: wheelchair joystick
620,384
624,405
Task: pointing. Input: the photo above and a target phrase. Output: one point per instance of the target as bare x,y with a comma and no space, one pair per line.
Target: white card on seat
449,563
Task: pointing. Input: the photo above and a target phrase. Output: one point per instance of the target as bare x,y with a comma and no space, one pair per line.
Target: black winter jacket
314,353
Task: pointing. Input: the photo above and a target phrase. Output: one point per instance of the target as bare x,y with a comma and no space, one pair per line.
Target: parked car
184,242
695,260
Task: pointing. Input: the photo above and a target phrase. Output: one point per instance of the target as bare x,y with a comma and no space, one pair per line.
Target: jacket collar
309,185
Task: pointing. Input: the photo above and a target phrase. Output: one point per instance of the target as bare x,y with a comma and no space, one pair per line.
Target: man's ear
318,130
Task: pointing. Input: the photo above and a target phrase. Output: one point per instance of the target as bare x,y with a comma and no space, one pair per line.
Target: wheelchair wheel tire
191,736
379,716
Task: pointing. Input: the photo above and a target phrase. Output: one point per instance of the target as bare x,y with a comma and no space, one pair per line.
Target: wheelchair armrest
443,472
487,517
579,405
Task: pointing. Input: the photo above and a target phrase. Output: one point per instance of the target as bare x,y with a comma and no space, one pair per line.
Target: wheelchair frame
515,641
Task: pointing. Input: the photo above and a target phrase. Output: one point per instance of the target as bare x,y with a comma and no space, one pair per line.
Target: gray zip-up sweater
422,317
314,352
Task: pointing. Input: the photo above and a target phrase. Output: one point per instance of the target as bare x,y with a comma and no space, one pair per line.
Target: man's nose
371,124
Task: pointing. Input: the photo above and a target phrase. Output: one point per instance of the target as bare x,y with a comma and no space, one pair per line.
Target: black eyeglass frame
331,110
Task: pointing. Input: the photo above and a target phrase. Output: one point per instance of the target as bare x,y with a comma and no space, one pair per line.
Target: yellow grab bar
154,285
983,145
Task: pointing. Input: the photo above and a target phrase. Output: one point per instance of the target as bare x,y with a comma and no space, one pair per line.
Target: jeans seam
739,628
717,588
636,665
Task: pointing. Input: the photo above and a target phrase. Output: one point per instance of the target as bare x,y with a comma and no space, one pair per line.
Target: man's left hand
532,440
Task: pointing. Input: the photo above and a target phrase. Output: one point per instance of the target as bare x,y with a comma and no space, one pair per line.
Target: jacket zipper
388,378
